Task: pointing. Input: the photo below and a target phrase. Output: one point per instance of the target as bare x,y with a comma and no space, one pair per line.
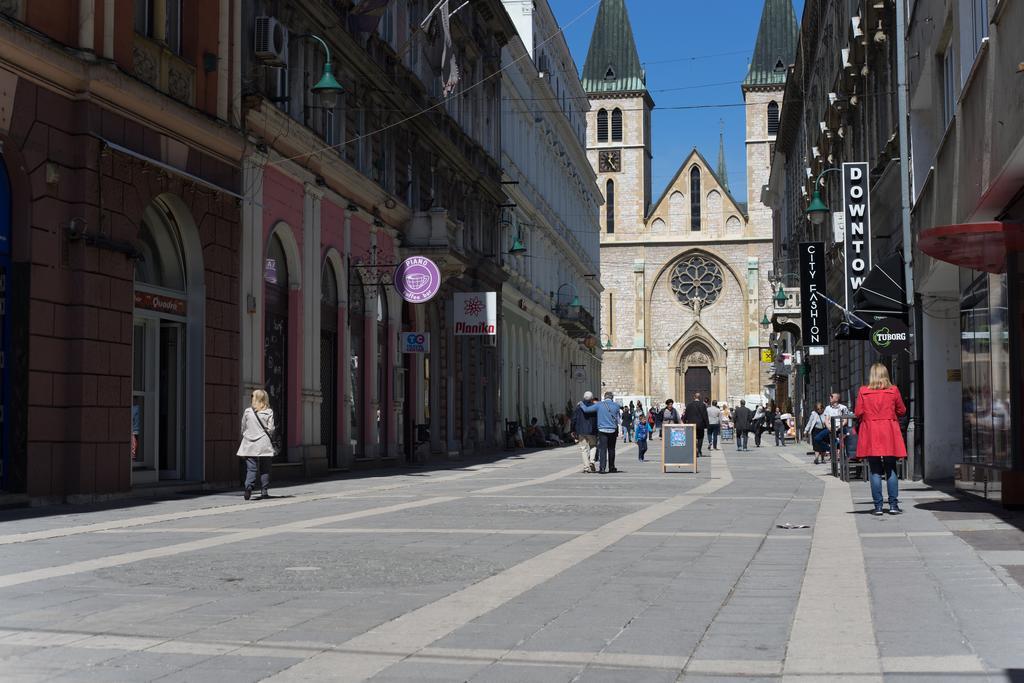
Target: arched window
602,125
773,118
695,199
617,125
275,342
609,207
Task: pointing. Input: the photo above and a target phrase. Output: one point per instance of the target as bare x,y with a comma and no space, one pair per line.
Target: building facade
551,299
967,135
187,217
840,105
685,276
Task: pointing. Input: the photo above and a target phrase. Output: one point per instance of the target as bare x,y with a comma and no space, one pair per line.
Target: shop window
356,350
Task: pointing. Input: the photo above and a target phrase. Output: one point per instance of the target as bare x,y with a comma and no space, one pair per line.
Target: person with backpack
258,446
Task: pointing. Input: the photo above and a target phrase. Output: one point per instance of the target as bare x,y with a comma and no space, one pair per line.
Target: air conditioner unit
271,41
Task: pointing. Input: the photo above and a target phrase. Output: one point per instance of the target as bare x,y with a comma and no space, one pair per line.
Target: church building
686,275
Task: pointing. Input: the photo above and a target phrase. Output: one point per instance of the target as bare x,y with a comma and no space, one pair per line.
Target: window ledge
975,68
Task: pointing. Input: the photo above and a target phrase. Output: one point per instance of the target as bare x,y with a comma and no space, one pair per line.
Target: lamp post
818,210
327,88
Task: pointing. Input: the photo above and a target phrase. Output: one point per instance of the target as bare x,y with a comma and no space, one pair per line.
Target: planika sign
857,208
814,315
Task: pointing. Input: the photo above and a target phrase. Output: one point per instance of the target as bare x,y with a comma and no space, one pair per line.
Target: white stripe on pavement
370,653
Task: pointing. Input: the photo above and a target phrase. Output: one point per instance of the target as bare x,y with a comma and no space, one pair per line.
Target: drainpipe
916,427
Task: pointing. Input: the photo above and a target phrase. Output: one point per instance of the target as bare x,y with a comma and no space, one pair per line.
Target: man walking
743,418
697,415
835,408
714,425
609,415
584,431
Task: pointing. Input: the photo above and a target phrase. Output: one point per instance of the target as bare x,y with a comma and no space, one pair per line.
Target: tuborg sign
814,315
857,209
890,336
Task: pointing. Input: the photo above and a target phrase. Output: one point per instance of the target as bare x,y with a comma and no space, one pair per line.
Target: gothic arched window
609,207
617,125
602,125
695,199
773,118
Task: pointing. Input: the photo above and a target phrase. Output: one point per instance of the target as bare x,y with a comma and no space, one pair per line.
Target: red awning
981,246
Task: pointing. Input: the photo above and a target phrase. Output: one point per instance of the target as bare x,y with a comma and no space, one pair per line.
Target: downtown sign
813,311
857,212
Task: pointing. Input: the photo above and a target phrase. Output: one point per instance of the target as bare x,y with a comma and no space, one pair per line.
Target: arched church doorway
697,379
167,327
695,370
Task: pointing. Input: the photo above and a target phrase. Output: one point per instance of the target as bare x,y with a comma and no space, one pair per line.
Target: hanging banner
417,279
857,211
476,313
890,336
814,314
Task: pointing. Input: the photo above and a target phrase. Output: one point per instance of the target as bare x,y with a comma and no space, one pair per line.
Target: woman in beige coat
257,445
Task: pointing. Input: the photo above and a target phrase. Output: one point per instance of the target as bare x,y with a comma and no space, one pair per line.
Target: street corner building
185,217
686,275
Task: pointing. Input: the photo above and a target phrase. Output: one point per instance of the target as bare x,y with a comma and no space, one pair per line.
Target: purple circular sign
417,279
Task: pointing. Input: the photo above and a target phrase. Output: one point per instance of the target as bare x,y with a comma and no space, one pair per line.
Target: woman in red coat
879,439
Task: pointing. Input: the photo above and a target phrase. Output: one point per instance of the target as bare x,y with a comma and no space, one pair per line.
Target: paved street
520,569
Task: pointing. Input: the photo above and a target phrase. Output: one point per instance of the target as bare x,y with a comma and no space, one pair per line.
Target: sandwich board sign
679,446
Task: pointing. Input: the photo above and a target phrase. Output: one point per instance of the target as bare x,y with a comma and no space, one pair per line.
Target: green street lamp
327,88
517,248
780,296
765,322
575,302
818,210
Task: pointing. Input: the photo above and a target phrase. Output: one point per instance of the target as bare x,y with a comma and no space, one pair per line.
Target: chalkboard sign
679,446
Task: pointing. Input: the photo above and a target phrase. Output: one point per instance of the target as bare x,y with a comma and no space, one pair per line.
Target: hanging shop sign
417,279
812,281
857,210
767,356
160,303
890,336
415,342
476,313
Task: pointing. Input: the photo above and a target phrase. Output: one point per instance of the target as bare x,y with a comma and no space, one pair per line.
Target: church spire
775,47
723,175
613,64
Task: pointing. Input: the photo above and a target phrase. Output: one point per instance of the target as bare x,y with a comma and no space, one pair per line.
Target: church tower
763,89
619,122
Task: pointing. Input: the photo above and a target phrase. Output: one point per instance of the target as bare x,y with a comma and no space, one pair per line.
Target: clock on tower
609,161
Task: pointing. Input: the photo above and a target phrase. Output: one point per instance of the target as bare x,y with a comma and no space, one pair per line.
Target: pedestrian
658,418
780,427
743,418
641,432
835,408
879,439
608,419
817,431
669,414
697,414
584,431
714,425
257,445
758,424
627,423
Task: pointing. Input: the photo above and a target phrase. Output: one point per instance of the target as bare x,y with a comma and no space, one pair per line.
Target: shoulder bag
275,441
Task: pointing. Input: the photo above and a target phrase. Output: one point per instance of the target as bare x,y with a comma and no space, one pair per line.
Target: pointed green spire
776,44
613,64
723,176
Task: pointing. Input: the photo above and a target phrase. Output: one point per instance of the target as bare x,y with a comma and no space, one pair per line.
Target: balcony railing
575,320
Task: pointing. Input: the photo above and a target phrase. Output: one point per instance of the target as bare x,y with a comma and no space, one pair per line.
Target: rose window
697,281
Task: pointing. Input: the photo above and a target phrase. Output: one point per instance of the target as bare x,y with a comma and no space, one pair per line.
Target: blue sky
696,53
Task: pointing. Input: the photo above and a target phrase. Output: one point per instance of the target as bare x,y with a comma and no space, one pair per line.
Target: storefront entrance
158,353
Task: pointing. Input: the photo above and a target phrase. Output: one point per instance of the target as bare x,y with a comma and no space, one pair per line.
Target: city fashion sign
814,315
476,313
857,212
417,279
890,336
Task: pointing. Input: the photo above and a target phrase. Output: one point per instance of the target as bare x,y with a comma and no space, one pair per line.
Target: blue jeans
713,431
741,439
879,466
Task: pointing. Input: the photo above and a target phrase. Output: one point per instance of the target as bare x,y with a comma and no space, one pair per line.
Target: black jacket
582,423
743,418
670,416
696,414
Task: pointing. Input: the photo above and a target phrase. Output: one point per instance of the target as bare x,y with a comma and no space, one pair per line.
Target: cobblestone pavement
521,569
